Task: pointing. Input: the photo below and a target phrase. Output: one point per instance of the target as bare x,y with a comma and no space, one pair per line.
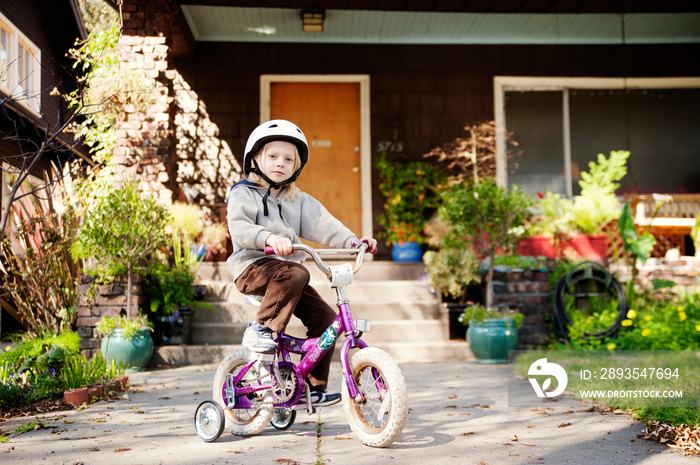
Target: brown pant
285,285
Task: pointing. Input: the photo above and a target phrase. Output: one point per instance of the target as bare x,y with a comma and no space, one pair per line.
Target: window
20,66
562,124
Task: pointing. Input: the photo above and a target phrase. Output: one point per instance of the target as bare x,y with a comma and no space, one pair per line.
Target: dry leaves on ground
685,438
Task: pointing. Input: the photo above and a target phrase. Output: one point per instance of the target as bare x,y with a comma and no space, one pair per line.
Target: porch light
312,20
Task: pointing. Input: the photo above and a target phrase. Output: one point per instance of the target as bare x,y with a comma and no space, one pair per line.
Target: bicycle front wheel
247,421
379,419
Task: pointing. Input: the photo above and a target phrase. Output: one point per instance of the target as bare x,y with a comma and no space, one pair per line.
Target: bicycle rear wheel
379,419
244,422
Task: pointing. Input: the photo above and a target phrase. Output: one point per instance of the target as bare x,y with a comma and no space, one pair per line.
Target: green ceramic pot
133,353
491,339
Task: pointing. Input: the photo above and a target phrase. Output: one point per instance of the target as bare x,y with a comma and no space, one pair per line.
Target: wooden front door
329,115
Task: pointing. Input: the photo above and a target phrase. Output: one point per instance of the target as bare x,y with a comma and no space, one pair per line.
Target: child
266,209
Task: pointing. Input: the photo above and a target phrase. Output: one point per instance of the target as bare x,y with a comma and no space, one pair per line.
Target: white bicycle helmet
277,129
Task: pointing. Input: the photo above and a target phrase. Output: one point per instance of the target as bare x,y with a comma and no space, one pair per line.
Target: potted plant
488,217
452,272
213,240
173,302
121,233
481,219
575,226
126,340
186,222
410,190
491,332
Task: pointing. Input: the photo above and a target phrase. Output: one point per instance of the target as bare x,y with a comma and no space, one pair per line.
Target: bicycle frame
312,349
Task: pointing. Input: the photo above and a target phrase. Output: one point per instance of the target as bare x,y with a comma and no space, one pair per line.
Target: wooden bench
676,215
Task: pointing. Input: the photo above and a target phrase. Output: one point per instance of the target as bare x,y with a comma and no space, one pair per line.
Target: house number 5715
390,146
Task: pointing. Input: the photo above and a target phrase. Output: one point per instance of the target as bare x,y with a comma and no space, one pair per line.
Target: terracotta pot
111,388
590,246
96,392
77,397
121,382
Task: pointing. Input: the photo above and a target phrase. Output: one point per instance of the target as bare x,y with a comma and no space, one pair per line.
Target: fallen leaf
468,434
514,438
564,425
452,397
122,450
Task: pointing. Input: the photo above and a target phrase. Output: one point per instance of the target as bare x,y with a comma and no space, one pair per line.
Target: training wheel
209,420
283,418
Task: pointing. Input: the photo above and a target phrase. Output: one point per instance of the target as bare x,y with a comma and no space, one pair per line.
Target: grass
585,368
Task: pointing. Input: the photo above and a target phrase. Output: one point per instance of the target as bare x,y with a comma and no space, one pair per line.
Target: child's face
277,160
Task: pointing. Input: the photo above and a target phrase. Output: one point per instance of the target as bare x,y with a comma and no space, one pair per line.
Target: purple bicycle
251,390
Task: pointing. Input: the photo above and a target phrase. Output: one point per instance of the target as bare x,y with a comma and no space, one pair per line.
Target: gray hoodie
303,216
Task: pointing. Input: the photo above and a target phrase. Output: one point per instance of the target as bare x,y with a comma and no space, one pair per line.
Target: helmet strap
271,185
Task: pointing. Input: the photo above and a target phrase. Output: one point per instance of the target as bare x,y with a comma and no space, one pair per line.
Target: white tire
244,422
379,419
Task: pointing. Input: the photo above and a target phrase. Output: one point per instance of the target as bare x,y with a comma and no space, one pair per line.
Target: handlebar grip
269,250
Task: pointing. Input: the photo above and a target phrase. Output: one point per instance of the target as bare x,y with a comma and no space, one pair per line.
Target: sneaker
321,398
258,338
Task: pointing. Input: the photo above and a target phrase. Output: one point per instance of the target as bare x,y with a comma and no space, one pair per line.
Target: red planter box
589,246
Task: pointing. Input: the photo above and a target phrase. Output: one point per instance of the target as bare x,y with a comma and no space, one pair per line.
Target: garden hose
586,280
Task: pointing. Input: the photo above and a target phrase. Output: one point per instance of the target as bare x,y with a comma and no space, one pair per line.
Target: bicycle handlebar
316,255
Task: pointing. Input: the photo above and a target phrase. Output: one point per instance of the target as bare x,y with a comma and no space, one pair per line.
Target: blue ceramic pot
490,340
407,252
133,353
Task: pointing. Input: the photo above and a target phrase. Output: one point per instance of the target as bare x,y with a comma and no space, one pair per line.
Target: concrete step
370,271
402,352
375,311
230,332
357,292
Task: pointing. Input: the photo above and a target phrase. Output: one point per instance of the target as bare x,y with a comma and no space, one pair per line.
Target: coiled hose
586,280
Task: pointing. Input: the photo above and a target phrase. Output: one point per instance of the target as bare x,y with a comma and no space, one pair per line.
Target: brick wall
110,300
684,271
528,291
145,139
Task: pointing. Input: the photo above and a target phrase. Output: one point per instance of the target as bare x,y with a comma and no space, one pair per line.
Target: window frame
22,77
503,84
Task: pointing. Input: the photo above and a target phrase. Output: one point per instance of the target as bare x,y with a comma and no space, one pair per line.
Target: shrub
123,231
410,191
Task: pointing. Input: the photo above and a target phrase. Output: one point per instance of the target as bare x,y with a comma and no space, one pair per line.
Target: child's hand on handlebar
370,241
281,245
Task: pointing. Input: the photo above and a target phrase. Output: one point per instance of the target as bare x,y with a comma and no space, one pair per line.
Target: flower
680,308
611,346
697,328
682,316
646,332
626,323
632,314
647,317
